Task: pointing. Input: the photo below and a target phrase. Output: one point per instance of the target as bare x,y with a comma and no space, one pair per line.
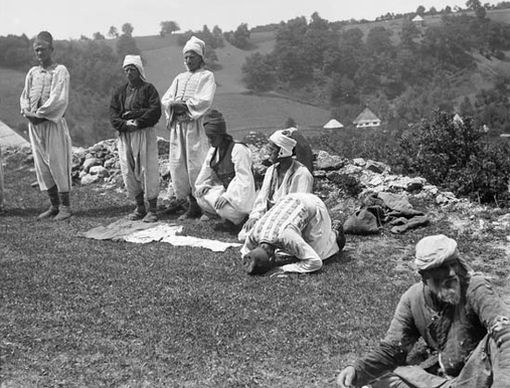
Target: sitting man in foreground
295,235
225,185
463,322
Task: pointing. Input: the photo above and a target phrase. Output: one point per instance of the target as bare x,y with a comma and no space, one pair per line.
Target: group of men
285,228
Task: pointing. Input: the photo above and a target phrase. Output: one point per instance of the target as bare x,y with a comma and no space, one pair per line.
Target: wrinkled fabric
282,138
136,61
194,44
472,320
240,192
46,93
138,158
188,142
433,251
299,225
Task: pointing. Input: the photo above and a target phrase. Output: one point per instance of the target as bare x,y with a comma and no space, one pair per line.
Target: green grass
79,312
11,86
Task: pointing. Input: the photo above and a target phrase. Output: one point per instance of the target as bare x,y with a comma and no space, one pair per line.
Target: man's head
43,48
215,128
438,262
193,52
281,145
133,68
258,261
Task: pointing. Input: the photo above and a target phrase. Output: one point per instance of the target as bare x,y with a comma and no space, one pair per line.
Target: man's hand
202,191
220,202
131,125
346,377
32,117
250,223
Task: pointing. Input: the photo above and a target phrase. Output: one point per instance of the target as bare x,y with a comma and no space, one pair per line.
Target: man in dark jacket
135,109
464,323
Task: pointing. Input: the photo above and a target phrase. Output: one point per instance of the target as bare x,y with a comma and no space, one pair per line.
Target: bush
459,156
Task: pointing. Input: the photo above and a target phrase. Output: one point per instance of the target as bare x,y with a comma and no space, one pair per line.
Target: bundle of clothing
385,209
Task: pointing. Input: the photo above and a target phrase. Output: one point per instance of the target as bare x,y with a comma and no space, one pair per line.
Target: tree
408,33
473,4
127,29
113,32
168,27
258,72
290,123
420,10
98,36
126,45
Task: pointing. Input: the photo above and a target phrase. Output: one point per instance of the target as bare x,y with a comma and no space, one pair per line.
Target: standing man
43,102
462,320
186,102
135,109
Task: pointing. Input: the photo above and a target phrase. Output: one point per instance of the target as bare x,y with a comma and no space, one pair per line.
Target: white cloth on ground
188,142
300,225
138,158
141,233
46,94
240,192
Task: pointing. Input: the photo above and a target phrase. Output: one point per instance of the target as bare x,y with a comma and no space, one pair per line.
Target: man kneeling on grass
225,186
464,323
295,235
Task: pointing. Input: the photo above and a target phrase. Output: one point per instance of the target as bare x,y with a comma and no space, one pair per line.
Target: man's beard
449,292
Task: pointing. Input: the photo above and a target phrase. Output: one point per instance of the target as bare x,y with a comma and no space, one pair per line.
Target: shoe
193,211
52,211
150,217
64,213
174,206
137,215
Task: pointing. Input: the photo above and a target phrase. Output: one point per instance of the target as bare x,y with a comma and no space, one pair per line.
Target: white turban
136,61
283,140
196,45
433,251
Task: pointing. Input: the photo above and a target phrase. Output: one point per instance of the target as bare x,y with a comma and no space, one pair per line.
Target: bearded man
464,323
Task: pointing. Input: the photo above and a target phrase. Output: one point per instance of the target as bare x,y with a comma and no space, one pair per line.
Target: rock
88,179
110,163
325,161
319,173
415,184
98,170
359,162
164,169
377,167
89,162
163,147
445,198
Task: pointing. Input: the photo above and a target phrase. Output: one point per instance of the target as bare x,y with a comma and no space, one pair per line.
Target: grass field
76,312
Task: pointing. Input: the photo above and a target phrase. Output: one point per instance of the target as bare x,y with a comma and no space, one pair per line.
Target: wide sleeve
495,316
301,181
260,204
168,98
241,190
152,112
393,349
55,107
24,100
203,97
116,120
206,175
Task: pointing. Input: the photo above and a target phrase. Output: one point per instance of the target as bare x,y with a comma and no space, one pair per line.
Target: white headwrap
136,61
433,251
196,45
283,140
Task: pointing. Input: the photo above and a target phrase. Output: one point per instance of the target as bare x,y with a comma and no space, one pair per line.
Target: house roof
331,124
8,137
366,115
417,18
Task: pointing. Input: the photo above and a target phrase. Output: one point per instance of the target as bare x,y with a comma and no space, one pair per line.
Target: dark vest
224,167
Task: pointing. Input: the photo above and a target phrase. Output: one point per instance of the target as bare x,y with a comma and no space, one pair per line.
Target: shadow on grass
22,212
341,257
101,212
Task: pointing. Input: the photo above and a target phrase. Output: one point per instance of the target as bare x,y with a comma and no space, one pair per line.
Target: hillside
245,111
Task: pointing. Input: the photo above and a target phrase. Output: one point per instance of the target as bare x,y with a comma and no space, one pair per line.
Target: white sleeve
168,98
206,175
55,107
260,205
241,190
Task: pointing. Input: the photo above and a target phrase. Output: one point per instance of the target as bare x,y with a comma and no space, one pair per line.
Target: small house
367,119
333,124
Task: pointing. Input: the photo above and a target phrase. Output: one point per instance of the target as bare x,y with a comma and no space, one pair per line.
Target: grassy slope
79,312
11,85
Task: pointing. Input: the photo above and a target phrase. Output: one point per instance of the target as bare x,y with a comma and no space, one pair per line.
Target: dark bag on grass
361,222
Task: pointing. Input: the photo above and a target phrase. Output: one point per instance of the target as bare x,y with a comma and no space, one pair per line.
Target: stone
415,184
98,170
377,167
359,162
88,179
325,161
89,162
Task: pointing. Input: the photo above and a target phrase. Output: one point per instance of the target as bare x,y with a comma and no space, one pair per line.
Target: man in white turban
285,175
135,109
43,103
186,102
465,325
